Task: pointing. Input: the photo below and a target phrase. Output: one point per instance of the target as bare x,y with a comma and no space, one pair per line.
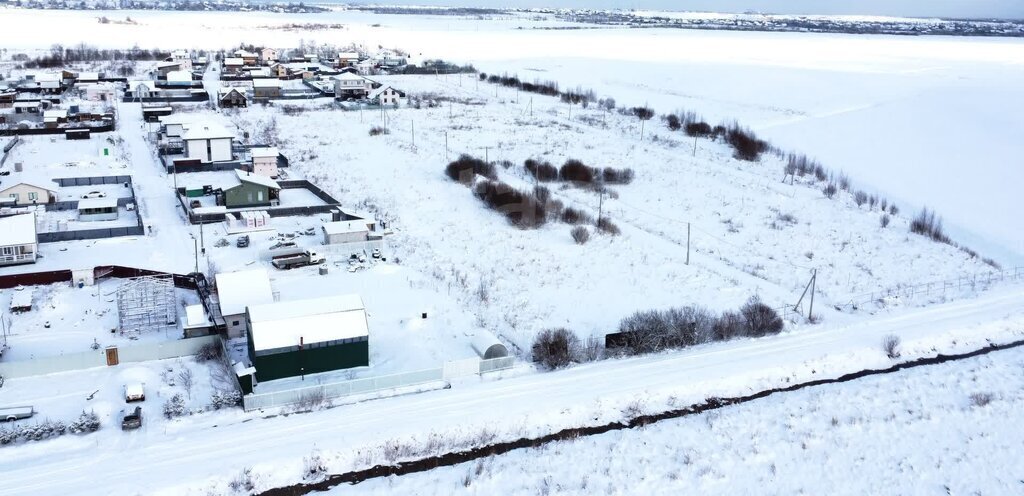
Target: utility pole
694,146
202,239
446,145
487,150
687,243
814,280
195,251
600,204
413,123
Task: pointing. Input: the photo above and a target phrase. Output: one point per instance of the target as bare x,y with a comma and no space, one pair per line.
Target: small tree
891,346
830,190
644,114
674,124
187,379
555,348
174,407
884,221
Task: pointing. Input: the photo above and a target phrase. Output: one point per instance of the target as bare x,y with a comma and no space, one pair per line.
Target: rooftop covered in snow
315,320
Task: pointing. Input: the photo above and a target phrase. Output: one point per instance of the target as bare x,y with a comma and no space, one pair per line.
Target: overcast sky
1013,9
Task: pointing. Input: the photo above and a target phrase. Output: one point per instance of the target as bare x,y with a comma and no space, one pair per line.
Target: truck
134,392
297,260
12,413
133,420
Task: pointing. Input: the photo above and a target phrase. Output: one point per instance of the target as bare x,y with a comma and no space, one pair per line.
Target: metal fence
86,234
97,358
950,287
340,389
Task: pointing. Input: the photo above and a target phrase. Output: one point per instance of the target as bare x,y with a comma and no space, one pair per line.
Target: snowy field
944,429
925,120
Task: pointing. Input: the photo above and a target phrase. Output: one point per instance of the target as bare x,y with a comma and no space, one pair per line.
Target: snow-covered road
528,404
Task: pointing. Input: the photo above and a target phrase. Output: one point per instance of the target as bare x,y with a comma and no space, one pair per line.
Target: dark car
133,420
242,242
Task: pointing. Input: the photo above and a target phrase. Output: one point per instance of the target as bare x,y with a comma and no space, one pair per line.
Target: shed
301,337
197,323
94,209
488,346
345,231
236,291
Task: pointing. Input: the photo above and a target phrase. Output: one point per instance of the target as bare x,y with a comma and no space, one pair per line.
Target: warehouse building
297,338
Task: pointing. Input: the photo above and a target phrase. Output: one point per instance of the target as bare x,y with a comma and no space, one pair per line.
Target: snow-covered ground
925,120
355,436
921,431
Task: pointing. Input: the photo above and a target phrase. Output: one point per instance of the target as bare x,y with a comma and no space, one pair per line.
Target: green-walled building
288,339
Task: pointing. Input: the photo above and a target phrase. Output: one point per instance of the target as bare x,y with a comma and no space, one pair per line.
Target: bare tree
187,379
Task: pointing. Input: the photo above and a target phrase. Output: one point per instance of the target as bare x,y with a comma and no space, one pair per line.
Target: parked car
133,420
243,241
195,204
94,194
134,392
375,253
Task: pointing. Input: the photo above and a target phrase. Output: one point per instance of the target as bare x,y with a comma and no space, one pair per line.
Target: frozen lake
933,121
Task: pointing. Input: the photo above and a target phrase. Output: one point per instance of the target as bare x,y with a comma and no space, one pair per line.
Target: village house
263,89
232,98
166,67
386,96
179,78
27,193
99,92
19,243
346,59
7,98
268,55
279,70
233,65
143,89
248,58
55,117
252,190
351,86
238,290
293,338
207,142
264,161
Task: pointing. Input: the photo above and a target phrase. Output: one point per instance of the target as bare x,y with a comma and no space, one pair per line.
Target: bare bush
891,346
981,399
728,326
884,220
243,481
760,319
745,144
645,332
580,235
674,124
695,129
617,176
523,209
576,216
606,226
577,172
926,223
830,190
209,351
541,171
311,400
555,348
187,379
466,168
860,198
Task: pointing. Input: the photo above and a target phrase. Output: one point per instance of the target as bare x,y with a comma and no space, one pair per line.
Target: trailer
12,413
292,261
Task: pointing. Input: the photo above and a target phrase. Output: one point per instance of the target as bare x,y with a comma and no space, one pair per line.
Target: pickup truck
133,420
297,260
12,413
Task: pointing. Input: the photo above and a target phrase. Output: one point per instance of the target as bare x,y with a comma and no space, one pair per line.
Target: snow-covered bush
730,325
555,348
884,220
85,423
315,468
174,407
830,190
580,235
891,346
928,224
377,131
860,198
576,216
225,398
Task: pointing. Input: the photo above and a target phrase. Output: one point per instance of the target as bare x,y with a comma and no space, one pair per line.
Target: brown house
232,98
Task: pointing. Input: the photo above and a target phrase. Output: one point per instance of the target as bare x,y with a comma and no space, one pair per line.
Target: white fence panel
461,368
495,364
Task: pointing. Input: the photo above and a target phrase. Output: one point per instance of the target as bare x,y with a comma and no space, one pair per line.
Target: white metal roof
206,131
233,61
257,179
345,227
18,229
316,320
97,203
263,152
195,316
380,91
179,76
238,290
266,83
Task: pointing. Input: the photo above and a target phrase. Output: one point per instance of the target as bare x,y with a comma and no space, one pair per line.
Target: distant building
266,88
28,193
94,209
386,96
252,190
207,143
232,98
348,85
289,339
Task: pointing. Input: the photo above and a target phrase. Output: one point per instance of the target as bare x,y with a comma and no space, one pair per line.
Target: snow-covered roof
179,76
238,290
348,55
215,209
27,104
206,131
266,83
263,152
316,320
97,203
345,227
173,63
380,91
244,53
233,61
178,119
88,76
55,114
256,179
195,316
224,90
27,180
149,85
18,229
348,76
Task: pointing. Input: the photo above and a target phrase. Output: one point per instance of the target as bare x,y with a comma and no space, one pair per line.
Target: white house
386,95
100,92
27,193
345,231
207,142
268,55
347,85
238,291
143,89
163,68
18,245
93,209
264,161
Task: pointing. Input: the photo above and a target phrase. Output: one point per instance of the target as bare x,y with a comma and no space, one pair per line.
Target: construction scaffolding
146,303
